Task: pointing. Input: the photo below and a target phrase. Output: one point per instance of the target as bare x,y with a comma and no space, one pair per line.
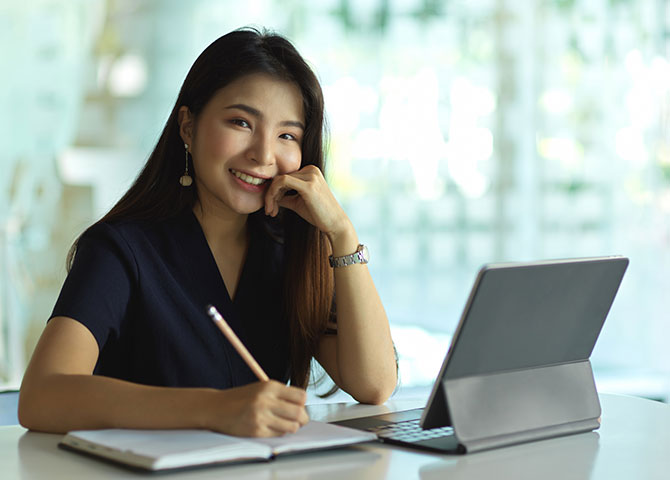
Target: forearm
366,366
365,355
59,393
360,358
63,402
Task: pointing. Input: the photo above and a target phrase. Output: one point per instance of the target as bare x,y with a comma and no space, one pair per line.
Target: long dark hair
156,193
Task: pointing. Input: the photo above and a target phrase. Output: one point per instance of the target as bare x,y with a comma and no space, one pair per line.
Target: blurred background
462,132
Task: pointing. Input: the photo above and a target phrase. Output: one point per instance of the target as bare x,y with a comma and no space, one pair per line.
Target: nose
261,151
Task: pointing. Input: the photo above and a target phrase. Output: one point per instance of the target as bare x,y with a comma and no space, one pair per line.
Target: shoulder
134,232
122,234
146,243
104,244
128,239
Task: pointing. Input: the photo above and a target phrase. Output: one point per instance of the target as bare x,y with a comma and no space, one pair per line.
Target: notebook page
315,435
158,449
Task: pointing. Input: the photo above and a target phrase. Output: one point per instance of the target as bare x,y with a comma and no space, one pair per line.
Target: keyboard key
411,431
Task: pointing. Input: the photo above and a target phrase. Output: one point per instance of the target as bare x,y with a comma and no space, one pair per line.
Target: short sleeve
97,290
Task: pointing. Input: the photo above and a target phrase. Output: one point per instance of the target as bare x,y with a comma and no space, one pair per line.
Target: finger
294,413
284,392
273,423
279,187
288,202
279,426
283,184
274,428
304,417
293,395
306,173
292,405
290,412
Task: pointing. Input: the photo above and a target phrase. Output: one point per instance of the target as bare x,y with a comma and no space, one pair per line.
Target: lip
252,174
247,186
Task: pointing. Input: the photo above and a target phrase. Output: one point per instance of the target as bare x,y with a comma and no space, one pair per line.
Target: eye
288,136
241,123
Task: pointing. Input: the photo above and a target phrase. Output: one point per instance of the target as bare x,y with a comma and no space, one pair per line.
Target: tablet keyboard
410,431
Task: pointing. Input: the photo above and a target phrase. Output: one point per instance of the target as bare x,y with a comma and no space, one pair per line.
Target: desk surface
632,443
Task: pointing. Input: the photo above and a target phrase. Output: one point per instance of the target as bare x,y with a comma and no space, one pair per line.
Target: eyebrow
258,114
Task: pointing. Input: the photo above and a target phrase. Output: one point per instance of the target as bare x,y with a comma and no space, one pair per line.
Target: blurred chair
9,404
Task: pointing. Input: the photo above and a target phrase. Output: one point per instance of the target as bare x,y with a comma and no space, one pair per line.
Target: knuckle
256,419
257,404
294,412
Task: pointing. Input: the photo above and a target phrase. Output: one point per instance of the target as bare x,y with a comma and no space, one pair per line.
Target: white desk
633,443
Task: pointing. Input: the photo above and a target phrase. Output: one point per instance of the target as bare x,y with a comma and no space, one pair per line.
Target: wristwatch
361,255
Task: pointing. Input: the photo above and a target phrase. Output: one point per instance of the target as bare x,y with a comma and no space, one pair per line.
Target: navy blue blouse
141,289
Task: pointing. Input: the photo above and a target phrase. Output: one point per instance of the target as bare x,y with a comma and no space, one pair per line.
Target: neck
221,228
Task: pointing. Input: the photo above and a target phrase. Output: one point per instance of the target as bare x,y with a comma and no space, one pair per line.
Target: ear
186,120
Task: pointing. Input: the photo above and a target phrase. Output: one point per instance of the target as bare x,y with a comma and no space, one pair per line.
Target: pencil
236,343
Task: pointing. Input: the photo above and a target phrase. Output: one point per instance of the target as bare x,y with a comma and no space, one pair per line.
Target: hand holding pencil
265,408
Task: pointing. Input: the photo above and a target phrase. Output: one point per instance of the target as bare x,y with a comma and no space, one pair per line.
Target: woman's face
249,132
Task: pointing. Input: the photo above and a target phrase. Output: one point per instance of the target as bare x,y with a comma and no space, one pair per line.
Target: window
462,133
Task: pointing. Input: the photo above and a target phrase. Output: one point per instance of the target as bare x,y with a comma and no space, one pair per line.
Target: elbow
376,397
376,394
26,412
372,399
31,412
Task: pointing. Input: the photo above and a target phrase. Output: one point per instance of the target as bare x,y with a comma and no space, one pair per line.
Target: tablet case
519,367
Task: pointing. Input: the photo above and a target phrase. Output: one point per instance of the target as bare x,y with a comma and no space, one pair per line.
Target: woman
231,209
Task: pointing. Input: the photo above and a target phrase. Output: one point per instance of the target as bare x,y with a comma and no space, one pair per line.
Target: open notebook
176,449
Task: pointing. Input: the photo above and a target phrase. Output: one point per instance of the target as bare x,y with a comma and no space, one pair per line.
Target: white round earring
186,180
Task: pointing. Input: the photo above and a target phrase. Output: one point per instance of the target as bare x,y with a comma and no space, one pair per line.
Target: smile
248,178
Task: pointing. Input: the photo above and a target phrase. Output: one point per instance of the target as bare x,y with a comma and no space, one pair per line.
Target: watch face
365,254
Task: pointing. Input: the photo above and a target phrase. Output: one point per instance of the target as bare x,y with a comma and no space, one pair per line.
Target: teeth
248,178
